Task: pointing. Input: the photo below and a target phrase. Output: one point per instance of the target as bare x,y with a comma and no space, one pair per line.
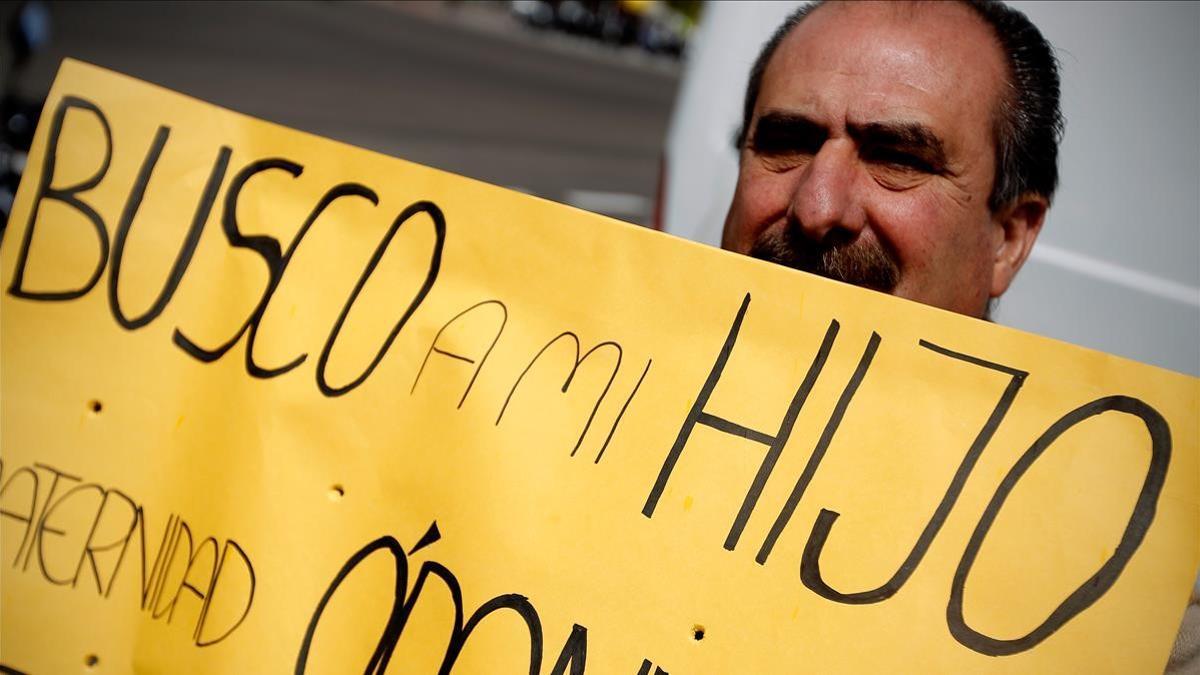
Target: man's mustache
859,261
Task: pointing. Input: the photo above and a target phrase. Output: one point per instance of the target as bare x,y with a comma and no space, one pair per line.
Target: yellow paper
276,404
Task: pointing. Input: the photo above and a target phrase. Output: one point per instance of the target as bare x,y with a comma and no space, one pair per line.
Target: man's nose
825,198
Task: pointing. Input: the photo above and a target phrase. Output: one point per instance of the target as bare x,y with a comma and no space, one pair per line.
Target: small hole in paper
91,660
336,493
698,632
95,406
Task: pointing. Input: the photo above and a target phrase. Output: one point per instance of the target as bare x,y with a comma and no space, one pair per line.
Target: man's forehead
939,25
926,63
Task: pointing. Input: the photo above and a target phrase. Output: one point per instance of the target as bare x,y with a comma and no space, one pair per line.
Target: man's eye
783,143
898,159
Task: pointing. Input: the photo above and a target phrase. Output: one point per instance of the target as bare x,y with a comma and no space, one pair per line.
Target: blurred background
567,99
628,108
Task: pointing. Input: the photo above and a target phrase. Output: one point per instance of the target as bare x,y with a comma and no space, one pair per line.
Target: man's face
870,155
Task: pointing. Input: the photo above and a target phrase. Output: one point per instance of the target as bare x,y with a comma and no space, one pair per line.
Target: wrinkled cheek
927,249
744,220
731,236
759,204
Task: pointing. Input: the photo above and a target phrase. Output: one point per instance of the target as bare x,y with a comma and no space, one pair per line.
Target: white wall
1118,265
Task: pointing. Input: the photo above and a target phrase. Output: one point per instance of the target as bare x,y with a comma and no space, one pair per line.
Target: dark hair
1029,122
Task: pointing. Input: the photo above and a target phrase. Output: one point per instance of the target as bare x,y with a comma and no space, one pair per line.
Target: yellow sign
276,404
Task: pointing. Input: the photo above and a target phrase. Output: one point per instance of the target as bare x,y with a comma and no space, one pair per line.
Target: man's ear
1017,227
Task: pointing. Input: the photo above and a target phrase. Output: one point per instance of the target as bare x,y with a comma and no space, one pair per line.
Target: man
906,147
910,148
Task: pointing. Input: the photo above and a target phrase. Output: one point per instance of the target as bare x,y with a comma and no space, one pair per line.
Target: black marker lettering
818,453
435,262
402,609
158,610
578,360
433,346
28,517
41,521
645,669
230,547
574,653
277,271
106,532
149,582
168,555
201,593
90,548
810,567
266,247
387,639
512,601
184,257
1098,584
66,195
775,444
43,527
613,429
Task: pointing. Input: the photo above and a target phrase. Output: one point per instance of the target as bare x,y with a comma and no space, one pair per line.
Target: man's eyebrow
775,128
908,136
